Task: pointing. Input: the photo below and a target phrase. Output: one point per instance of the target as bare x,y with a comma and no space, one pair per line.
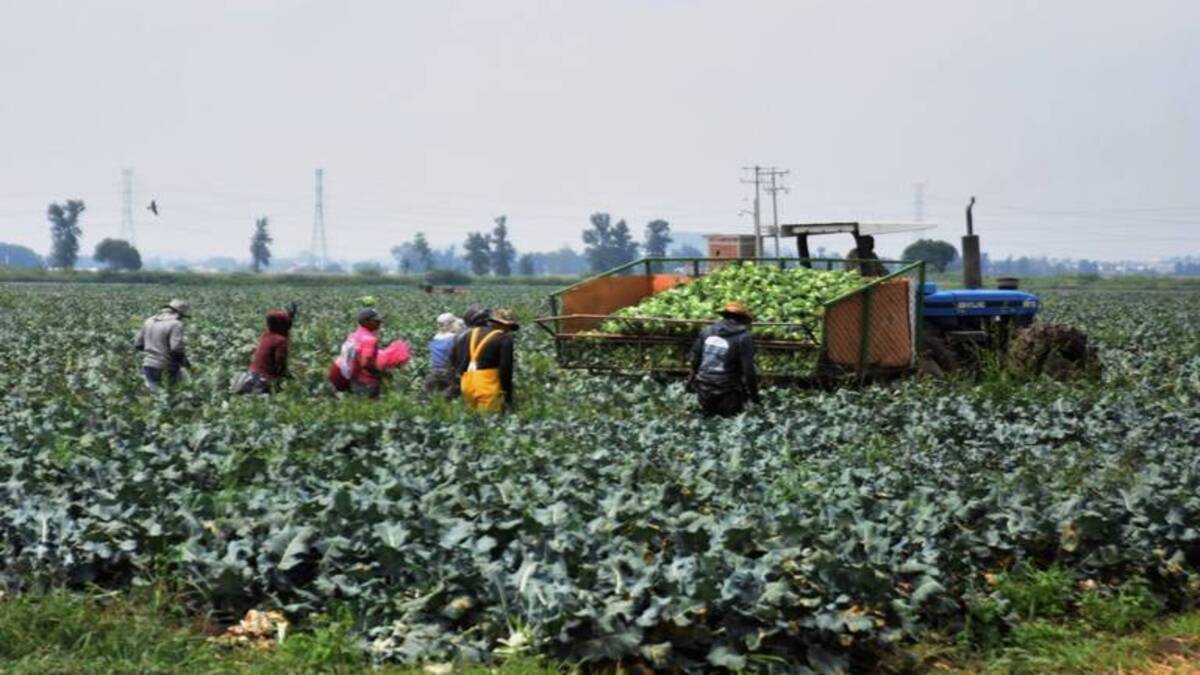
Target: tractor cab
858,230
970,314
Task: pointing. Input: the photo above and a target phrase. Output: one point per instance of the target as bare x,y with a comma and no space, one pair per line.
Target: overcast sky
1075,123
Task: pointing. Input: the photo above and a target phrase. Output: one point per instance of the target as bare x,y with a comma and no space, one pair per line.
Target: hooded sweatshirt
271,357
357,358
161,341
723,358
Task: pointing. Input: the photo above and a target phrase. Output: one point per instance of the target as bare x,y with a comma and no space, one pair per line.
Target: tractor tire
939,356
1058,351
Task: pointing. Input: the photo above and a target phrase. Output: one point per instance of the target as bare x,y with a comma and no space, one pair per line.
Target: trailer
871,332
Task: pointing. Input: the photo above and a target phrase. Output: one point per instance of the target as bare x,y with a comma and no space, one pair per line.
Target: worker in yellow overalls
484,359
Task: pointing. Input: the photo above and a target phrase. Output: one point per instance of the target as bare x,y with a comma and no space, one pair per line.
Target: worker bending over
355,369
160,341
722,363
269,365
484,358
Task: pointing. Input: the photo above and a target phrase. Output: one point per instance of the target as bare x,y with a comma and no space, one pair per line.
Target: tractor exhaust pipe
972,264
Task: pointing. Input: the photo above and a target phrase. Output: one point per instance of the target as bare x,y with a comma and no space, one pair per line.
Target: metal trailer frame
642,341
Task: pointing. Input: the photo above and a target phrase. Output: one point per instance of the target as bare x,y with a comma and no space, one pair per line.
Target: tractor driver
862,258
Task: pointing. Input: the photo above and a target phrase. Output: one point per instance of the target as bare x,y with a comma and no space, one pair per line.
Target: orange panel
891,329
665,282
606,295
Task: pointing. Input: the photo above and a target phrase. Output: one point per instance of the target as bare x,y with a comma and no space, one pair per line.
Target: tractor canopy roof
857,228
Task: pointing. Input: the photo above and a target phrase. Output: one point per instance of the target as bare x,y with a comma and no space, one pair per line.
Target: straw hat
506,318
736,308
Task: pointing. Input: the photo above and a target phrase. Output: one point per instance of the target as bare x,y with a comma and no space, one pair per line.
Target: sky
1075,123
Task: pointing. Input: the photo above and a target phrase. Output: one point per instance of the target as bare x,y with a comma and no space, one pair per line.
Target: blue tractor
960,324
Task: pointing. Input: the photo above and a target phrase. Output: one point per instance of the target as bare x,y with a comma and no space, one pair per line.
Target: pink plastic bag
395,355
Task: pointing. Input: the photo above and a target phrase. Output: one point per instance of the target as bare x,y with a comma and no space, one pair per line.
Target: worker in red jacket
269,365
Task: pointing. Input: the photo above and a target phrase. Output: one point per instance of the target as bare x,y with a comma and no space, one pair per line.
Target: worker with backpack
722,364
484,359
362,363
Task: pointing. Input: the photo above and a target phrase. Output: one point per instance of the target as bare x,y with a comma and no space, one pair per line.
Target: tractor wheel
939,357
1062,352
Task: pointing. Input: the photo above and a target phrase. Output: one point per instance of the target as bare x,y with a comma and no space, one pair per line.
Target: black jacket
723,359
497,353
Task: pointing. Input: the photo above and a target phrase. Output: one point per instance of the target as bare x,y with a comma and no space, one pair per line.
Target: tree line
606,245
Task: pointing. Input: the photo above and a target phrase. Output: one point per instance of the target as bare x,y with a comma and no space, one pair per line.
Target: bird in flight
153,208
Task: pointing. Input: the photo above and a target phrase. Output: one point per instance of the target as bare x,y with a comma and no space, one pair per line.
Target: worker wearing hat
161,343
355,368
486,363
722,363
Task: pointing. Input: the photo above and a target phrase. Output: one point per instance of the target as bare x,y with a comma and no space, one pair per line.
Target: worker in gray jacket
161,342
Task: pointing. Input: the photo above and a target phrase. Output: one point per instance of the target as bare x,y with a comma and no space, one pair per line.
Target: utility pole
775,188
757,180
127,231
320,247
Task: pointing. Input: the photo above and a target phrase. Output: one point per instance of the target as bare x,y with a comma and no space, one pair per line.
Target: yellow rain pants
481,388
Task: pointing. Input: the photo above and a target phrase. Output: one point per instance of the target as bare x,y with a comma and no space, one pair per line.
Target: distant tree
424,254
939,254
118,254
658,238
260,246
15,255
367,269
565,261
1088,267
478,249
502,249
448,259
608,245
686,251
414,256
526,266
65,232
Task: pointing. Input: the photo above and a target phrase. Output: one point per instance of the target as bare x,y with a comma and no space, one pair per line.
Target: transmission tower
320,247
919,202
127,231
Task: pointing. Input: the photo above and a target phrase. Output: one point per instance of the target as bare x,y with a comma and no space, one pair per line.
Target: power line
760,175
775,188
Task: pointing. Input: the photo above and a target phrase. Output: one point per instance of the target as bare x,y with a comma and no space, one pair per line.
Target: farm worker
487,364
441,378
722,363
269,364
161,342
863,259
355,368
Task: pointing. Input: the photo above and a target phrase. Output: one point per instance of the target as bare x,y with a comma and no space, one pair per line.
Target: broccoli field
605,520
